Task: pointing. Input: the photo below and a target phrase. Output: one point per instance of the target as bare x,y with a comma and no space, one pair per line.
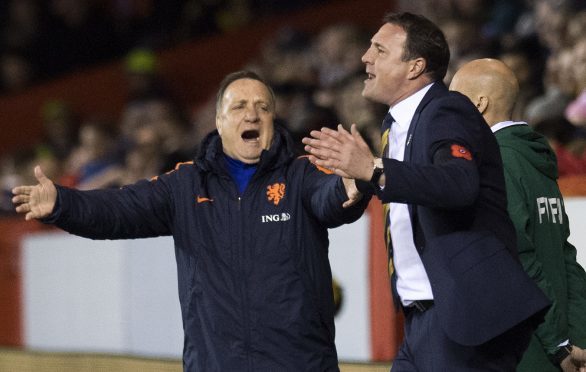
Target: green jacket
536,207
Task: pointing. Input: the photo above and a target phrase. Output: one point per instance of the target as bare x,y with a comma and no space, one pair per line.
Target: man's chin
250,158
369,95
365,93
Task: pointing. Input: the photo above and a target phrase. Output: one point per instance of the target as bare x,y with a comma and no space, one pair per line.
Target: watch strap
561,353
377,171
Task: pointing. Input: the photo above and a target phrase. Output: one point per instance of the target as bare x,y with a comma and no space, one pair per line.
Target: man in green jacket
536,207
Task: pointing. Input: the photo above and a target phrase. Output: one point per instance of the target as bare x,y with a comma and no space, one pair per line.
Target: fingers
352,192
324,134
22,190
358,137
23,208
40,176
322,145
21,198
321,162
348,203
322,153
344,135
332,133
351,201
30,214
314,134
327,163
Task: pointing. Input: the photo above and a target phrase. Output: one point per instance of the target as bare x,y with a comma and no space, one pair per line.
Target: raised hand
35,201
346,153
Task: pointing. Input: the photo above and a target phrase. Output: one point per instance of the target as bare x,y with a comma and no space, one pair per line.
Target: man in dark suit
468,303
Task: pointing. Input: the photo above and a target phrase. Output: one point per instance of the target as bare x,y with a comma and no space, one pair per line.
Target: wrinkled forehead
247,90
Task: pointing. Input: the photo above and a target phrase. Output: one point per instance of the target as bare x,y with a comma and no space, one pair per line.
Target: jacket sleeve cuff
365,187
57,210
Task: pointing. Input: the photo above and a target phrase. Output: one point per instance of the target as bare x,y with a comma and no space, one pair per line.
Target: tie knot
387,122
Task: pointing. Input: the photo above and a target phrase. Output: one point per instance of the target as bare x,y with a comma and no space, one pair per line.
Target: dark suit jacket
452,179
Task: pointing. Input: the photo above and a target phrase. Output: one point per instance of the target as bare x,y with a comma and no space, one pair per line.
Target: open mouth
370,76
251,135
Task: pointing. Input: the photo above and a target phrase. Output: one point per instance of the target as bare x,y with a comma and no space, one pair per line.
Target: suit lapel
436,90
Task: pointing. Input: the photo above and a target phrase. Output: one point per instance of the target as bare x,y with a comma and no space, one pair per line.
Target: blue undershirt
241,172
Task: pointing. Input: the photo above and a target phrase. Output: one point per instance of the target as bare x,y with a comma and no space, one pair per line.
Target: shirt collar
403,111
505,124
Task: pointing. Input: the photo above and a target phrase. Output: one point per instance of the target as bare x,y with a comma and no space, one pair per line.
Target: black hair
425,40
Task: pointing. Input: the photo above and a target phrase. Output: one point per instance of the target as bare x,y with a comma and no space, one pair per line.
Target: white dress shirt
412,281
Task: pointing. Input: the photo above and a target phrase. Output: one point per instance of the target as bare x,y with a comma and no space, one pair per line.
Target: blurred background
103,93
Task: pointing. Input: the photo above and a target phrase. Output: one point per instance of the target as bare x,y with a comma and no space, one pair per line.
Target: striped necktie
385,129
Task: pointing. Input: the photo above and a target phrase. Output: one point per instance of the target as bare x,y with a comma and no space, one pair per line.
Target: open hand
35,201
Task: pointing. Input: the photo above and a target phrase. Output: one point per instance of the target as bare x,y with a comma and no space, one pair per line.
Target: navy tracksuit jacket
255,283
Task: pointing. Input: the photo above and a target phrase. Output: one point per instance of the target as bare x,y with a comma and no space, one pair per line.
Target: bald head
490,85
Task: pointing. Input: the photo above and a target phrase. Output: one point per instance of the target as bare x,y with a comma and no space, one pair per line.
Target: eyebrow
257,102
378,45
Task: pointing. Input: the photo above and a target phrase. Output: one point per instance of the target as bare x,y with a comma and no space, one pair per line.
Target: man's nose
365,57
252,115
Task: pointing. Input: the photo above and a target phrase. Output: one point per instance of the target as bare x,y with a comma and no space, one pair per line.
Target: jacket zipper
242,265
244,286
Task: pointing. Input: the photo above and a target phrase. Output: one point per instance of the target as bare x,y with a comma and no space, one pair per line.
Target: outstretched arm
135,211
35,201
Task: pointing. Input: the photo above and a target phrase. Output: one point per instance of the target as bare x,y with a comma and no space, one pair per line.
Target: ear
416,68
219,124
482,104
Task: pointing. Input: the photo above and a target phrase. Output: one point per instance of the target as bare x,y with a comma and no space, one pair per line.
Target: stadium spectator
90,162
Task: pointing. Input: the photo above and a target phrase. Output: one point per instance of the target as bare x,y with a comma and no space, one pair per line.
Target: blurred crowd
318,81
544,43
42,39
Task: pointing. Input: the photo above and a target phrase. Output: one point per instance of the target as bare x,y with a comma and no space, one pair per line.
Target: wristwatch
377,171
561,354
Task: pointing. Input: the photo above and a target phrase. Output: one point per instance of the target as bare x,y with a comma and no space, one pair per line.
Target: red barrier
573,185
386,324
11,232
